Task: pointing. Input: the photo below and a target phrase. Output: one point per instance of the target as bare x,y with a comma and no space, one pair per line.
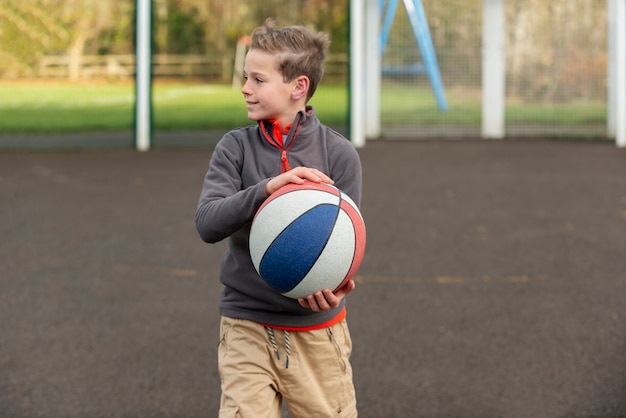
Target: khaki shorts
260,367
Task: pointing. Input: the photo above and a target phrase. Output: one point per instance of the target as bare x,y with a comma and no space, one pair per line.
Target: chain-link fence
556,66
556,70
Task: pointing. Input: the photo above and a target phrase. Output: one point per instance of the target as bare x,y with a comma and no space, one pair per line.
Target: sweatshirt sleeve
346,169
224,207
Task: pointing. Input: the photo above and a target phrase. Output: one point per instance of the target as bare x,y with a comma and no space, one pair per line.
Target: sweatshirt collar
283,139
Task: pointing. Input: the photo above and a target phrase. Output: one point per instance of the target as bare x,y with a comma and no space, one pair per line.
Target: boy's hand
297,175
326,300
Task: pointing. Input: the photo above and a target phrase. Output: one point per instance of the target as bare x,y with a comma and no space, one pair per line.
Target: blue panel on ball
294,251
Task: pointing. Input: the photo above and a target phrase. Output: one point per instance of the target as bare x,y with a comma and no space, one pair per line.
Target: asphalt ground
494,283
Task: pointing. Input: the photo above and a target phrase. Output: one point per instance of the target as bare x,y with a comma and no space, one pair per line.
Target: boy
273,347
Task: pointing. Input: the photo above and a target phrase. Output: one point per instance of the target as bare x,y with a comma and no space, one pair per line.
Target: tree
25,32
33,28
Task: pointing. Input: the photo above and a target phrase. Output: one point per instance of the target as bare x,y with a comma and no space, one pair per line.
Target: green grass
56,108
578,113
48,107
64,107
197,107
217,106
400,105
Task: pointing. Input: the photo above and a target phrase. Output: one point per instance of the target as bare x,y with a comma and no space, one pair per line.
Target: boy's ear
300,88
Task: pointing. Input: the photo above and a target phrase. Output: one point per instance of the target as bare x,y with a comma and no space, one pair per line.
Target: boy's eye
256,79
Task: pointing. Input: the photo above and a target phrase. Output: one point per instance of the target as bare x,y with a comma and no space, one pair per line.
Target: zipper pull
284,160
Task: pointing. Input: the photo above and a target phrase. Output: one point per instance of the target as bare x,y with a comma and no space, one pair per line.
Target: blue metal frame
419,24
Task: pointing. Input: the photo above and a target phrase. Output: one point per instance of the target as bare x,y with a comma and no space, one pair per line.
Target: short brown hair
299,51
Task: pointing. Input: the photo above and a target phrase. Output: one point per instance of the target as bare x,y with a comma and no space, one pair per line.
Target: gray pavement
494,283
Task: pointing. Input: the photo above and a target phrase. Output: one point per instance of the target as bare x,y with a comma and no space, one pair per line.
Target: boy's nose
245,90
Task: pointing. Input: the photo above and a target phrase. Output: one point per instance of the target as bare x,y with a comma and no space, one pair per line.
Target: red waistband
336,319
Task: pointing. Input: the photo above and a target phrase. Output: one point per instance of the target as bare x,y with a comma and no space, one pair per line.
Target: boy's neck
285,122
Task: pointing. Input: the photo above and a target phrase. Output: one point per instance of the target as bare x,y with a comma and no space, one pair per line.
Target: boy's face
266,94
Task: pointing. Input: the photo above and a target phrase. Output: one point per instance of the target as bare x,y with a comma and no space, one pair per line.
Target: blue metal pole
389,14
417,17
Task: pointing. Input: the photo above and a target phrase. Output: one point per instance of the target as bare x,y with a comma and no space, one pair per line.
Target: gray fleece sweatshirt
234,187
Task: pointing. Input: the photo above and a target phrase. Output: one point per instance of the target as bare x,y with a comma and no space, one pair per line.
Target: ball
307,237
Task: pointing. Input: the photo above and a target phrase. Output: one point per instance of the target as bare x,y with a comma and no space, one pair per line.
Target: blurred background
500,264
69,66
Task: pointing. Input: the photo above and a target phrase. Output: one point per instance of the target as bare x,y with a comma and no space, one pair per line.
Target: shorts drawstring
287,349
272,337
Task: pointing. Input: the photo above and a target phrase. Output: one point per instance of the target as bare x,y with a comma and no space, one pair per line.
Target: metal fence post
143,75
